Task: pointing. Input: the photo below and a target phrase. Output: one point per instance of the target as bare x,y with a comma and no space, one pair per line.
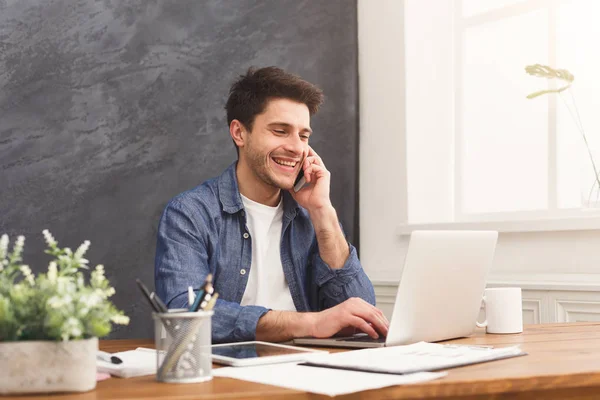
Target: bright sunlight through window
478,148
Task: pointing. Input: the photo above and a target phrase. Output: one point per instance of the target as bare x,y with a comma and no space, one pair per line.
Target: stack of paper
418,357
354,371
138,362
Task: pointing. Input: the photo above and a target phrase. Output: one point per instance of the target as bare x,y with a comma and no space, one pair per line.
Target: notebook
138,362
417,357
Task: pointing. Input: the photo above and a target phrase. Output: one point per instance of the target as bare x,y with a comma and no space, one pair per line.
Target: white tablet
256,353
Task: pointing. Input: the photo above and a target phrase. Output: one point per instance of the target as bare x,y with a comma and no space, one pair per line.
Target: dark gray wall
110,108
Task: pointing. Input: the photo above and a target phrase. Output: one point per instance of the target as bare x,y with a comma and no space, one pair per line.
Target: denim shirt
204,231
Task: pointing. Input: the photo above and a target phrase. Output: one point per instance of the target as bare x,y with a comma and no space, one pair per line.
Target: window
477,148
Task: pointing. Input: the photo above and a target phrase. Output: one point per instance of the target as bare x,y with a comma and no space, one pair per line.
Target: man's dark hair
249,94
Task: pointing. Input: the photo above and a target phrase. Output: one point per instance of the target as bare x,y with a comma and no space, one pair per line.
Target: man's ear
238,133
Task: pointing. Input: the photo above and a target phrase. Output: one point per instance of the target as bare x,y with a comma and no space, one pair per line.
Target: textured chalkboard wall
110,108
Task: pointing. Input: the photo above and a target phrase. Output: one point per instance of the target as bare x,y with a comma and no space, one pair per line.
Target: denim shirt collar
231,201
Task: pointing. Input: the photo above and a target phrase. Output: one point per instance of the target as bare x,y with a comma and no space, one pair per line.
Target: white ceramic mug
503,310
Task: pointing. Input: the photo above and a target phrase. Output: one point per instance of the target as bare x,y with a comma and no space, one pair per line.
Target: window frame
461,24
551,218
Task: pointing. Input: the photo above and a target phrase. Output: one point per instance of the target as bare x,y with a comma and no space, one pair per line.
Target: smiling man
281,264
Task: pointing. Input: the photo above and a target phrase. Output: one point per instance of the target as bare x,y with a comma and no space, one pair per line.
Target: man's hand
333,246
315,196
278,326
354,312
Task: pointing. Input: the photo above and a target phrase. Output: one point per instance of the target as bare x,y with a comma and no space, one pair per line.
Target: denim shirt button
243,272
246,236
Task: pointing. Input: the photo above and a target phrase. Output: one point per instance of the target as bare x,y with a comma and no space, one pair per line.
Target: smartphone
300,180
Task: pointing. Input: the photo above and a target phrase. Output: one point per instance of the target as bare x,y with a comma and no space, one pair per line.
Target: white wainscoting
547,298
385,294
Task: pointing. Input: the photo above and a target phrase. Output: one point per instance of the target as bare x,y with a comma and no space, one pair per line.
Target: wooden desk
563,363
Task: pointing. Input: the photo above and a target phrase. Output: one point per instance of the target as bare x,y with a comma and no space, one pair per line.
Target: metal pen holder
183,353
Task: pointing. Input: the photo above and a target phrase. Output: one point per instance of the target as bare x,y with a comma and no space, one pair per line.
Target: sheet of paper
327,381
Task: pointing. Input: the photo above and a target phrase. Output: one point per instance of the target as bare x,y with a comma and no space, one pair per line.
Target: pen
211,303
205,290
191,296
147,295
207,298
159,303
107,357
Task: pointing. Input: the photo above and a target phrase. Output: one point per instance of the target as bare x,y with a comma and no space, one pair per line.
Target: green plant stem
586,143
579,124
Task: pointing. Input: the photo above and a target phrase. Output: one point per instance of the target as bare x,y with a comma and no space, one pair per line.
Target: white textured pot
45,366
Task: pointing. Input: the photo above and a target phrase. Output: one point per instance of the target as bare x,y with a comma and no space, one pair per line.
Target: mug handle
484,323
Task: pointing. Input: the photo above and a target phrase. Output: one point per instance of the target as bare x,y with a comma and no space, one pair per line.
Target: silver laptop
439,295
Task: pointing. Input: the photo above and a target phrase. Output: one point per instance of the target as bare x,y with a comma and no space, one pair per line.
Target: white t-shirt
266,286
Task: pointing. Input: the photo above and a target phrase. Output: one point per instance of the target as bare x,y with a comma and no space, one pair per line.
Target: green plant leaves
57,305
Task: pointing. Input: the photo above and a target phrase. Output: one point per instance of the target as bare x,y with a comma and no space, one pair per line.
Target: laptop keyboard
365,339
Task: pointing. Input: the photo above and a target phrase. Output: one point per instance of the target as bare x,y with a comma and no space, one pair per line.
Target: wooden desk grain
563,363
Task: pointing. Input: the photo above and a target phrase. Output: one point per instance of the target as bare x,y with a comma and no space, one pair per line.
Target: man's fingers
375,321
312,160
314,171
364,326
346,332
313,155
308,161
387,321
382,316
374,316
382,325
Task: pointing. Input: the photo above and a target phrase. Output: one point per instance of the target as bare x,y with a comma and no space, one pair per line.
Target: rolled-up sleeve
235,323
182,260
338,285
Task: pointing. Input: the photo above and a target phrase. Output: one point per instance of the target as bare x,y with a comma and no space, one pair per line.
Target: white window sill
526,281
531,225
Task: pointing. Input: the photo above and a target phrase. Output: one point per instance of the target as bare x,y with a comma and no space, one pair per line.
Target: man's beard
260,169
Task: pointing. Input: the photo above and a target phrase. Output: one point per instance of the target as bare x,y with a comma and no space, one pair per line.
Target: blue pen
204,291
197,300
207,299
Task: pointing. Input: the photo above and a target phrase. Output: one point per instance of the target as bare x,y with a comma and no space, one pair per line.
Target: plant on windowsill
544,71
50,323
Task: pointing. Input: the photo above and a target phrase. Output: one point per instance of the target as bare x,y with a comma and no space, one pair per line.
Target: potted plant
50,323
